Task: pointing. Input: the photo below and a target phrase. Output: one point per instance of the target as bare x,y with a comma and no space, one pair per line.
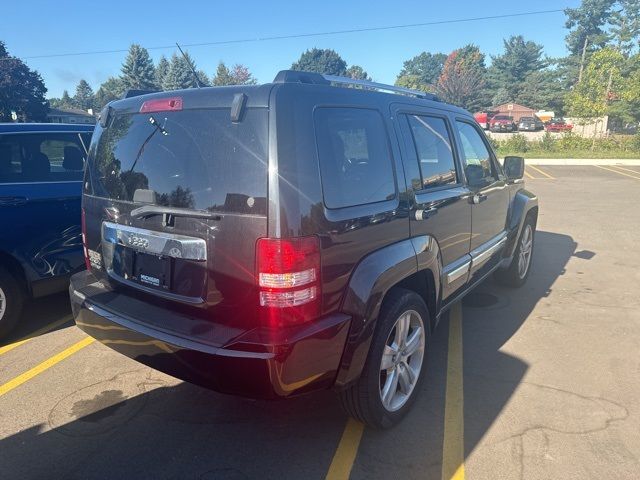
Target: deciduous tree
422,71
21,90
324,61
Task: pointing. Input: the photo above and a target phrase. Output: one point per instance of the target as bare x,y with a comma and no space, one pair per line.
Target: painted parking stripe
541,171
37,333
453,442
342,463
528,174
637,176
618,167
47,364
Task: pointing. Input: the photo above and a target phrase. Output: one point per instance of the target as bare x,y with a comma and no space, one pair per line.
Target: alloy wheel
402,360
526,249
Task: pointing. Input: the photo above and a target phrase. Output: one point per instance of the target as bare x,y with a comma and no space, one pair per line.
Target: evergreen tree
180,75
325,61
112,89
587,23
83,98
223,76
137,70
21,90
161,71
66,101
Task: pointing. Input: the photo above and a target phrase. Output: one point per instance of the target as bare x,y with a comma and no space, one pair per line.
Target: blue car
41,169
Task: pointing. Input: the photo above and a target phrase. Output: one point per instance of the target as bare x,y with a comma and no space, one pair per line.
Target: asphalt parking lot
540,382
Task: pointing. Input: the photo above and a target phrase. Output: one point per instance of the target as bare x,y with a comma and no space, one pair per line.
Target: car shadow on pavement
141,424
40,314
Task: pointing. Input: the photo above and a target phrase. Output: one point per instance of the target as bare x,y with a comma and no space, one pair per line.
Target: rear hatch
175,197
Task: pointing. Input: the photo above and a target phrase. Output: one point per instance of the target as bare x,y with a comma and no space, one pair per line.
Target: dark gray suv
273,240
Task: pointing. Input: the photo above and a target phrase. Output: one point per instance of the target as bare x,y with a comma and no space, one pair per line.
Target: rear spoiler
136,93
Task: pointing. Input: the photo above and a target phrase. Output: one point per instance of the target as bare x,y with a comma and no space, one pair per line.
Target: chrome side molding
149,241
484,252
459,272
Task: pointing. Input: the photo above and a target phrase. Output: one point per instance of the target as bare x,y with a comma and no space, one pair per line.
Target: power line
305,35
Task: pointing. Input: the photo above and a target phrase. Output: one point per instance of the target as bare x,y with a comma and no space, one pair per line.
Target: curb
581,161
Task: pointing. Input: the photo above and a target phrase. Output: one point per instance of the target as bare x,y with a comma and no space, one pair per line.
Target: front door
490,200
439,200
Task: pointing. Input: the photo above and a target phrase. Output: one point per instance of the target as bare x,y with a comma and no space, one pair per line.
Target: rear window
195,159
355,163
42,157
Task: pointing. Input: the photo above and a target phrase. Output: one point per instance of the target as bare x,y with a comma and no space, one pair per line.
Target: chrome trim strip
484,253
148,241
458,272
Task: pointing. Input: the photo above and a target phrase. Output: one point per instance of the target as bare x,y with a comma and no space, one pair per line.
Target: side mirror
514,167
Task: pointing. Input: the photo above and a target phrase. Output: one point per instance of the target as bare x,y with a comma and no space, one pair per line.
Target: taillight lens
162,105
83,222
288,277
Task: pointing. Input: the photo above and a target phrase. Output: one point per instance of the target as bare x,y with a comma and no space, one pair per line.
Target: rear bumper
258,364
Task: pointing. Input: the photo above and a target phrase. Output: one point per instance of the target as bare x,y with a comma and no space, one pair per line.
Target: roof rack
383,87
292,76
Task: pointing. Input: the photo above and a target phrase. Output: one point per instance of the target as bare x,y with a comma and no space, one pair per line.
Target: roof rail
381,87
293,76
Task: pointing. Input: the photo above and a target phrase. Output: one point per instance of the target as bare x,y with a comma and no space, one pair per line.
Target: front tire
11,301
516,275
395,367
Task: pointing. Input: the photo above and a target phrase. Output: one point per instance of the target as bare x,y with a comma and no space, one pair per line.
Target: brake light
162,105
288,277
83,222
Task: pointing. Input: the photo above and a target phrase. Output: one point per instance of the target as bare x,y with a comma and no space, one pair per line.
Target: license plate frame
152,271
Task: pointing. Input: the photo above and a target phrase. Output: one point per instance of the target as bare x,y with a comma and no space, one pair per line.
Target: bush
547,143
516,143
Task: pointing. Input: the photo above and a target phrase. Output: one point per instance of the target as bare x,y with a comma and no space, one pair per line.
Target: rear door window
433,148
41,157
355,161
478,166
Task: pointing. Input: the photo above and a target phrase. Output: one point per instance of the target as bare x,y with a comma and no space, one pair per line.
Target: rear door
490,197
174,203
40,188
439,199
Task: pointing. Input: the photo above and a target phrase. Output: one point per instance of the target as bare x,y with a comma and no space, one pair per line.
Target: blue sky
40,27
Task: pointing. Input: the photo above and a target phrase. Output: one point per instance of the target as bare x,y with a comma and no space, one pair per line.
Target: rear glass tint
355,163
195,159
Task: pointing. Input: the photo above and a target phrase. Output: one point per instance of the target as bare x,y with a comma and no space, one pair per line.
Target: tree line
599,76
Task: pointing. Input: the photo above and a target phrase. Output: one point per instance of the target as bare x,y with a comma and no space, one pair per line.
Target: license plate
152,270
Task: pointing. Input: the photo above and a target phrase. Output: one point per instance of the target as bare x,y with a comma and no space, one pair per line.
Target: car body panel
45,237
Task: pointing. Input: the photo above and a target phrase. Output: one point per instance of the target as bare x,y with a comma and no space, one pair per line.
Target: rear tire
11,302
396,364
516,275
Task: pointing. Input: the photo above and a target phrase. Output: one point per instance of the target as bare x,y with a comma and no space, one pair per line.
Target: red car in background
484,118
558,125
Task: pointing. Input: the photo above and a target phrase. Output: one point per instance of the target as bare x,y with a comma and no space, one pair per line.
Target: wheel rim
402,360
3,303
526,249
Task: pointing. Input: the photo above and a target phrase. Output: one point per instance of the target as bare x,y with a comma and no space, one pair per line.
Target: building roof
69,111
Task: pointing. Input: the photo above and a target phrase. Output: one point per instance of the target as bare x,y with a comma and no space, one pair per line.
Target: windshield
195,159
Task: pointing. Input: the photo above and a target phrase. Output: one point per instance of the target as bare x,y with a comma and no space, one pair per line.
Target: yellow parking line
453,442
37,333
528,174
619,173
345,455
41,367
618,167
542,172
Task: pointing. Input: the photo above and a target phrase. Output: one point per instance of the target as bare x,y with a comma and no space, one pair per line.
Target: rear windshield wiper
151,210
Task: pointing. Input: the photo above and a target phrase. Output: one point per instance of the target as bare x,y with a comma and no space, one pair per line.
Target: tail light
288,277
83,222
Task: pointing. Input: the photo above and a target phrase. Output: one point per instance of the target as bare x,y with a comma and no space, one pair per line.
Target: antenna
195,75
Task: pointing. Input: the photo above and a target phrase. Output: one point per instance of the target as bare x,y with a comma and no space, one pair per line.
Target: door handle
479,198
12,201
423,214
